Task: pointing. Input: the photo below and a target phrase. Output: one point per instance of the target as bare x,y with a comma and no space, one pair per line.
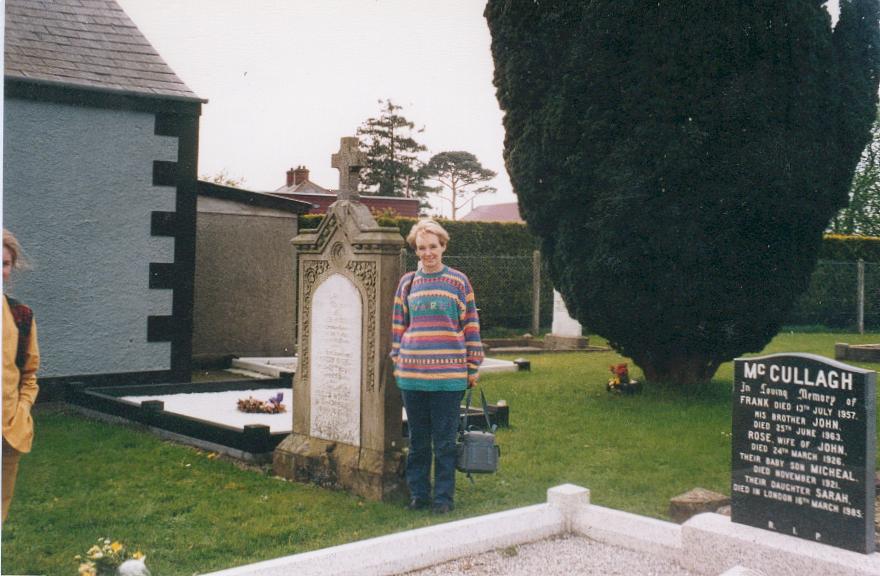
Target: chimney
301,174
296,176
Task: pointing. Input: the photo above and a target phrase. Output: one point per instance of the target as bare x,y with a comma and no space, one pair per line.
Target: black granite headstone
804,448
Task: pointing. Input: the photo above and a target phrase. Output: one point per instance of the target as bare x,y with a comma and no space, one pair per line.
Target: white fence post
536,292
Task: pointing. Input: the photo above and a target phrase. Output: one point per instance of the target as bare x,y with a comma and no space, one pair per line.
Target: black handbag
477,451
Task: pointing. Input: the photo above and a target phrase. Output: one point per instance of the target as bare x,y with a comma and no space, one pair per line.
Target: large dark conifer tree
679,159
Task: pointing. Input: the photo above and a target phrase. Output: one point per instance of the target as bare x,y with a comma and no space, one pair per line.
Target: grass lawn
192,512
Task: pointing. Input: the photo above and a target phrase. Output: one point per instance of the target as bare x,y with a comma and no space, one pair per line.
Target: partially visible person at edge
21,358
436,349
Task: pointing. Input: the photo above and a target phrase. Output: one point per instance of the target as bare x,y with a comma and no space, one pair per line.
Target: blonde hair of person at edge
436,350
21,359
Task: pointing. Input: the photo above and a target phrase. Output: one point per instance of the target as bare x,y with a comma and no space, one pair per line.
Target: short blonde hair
10,242
427,226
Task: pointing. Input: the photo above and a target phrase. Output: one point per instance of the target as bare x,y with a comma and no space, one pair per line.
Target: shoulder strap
24,318
464,427
467,408
412,278
408,288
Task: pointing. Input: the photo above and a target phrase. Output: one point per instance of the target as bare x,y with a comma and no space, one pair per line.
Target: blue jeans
432,416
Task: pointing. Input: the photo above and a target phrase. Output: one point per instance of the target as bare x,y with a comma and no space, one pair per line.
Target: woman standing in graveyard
437,351
21,358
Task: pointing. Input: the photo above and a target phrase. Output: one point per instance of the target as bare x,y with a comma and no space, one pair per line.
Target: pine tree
460,176
393,165
680,160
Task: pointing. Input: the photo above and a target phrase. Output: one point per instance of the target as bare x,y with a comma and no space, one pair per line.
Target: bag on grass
477,451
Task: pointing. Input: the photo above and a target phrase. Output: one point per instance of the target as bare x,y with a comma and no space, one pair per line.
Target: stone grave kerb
346,436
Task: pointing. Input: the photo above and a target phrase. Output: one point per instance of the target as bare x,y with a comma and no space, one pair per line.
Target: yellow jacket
19,386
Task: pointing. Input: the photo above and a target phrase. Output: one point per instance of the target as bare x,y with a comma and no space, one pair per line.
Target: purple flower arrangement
252,405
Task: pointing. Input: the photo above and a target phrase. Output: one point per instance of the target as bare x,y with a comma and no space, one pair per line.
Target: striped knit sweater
435,337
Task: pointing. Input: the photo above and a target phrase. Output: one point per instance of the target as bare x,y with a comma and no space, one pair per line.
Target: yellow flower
137,555
116,547
87,569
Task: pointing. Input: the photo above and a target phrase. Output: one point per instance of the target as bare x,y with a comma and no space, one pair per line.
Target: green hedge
507,238
465,238
496,256
850,248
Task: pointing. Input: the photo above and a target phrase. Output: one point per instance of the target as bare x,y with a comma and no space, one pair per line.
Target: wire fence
843,295
516,292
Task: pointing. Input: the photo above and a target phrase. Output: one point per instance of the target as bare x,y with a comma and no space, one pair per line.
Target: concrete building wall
245,285
78,193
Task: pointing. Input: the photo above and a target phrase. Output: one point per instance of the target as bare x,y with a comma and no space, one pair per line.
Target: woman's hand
472,380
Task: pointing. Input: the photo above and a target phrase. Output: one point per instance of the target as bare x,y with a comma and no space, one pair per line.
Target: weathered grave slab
857,352
693,502
273,366
804,448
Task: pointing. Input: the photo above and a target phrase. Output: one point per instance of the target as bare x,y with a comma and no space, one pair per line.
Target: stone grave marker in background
566,332
347,410
804,448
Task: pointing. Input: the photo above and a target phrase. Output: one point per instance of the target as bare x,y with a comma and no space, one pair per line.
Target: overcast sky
286,79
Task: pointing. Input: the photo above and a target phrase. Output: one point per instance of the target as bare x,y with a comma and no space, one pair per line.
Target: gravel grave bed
565,555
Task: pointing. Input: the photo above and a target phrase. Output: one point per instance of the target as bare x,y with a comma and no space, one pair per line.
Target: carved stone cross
349,161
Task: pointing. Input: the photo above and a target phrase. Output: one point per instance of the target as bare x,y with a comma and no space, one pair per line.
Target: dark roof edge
251,198
95,88
76,96
336,193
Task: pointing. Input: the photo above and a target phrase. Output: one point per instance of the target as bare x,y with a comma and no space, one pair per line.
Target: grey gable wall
78,193
245,281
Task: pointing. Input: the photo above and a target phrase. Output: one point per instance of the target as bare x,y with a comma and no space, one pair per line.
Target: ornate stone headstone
567,333
346,408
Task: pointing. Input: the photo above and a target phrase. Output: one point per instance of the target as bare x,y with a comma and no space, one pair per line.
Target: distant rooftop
251,198
298,187
298,183
507,212
89,44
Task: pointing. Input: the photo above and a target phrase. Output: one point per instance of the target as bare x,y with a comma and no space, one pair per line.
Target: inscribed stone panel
336,358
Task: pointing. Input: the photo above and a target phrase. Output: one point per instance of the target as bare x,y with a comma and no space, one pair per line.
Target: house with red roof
506,212
299,187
